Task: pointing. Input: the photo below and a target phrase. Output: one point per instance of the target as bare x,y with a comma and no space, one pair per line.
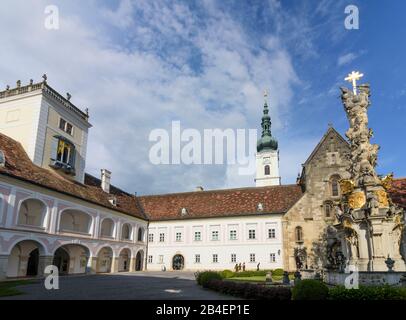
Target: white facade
267,168
40,221
209,243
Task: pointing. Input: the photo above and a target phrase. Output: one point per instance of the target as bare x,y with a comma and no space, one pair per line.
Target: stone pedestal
3,267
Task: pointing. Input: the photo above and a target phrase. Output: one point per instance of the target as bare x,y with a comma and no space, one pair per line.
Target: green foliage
7,288
310,290
203,278
277,272
227,274
250,273
385,292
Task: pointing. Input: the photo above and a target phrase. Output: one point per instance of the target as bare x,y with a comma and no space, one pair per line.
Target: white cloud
346,58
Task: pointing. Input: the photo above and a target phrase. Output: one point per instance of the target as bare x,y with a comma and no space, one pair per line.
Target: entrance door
61,261
178,262
32,266
138,261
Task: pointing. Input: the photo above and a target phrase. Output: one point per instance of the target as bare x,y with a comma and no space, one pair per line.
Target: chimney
199,188
105,180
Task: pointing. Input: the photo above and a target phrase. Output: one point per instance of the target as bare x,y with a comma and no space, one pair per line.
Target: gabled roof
19,166
323,139
221,203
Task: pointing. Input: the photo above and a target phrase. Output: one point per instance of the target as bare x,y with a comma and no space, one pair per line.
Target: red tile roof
221,203
398,192
18,165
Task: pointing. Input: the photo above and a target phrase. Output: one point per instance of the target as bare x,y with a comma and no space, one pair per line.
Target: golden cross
353,77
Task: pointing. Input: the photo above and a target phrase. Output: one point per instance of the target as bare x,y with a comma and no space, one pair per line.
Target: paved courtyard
139,285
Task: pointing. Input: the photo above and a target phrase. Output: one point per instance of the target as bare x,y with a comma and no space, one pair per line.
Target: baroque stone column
369,224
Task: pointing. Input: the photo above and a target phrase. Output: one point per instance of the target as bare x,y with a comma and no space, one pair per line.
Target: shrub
249,291
368,293
250,273
203,278
277,272
310,290
227,274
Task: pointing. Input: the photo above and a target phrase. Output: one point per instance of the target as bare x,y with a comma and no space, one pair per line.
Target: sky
139,65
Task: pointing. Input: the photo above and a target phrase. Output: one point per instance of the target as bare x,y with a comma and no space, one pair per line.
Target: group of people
238,267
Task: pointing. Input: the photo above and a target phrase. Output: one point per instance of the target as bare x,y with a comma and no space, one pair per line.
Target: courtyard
121,286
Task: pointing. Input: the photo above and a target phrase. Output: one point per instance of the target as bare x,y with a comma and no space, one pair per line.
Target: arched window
328,209
334,185
126,232
140,234
267,170
107,228
299,234
75,221
31,213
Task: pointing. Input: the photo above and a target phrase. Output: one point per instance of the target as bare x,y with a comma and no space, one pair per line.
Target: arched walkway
139,261
104,260
24,259
178,262
71,259
124,260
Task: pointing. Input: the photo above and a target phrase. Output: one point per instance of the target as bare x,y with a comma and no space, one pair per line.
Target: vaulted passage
139,265
124,260
71,259
24,259
104,260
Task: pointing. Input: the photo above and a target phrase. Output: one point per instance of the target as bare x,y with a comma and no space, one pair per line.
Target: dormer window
260,207
66,126
63,155
183,212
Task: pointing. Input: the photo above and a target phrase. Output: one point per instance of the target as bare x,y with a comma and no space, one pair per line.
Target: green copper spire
266,141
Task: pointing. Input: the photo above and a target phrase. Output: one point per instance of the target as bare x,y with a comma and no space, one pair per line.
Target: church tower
267,157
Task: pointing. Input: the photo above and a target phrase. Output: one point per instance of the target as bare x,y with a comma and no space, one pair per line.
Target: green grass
260,278
8,288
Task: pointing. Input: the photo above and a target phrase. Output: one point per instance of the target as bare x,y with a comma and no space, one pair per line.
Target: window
335,186
149,259
126,232
328,209
271,233
299,234
63,155
197,258
161,259
65,126
162,237
267,170
215,258
198,236
273,257
178,236
151,237
214,235
233,234
233,257
252,257
251,234
140,234
32,213
107,228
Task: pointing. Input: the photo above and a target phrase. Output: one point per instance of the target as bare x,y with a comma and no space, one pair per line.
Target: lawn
260,278
8,288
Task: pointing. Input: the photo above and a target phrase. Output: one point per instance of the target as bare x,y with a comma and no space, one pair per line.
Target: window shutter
54,147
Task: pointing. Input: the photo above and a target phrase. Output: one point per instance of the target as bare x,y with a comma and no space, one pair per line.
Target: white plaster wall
262,180
262,247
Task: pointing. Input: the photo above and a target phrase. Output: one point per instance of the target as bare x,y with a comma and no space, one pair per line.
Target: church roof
398,192
221,203
19,166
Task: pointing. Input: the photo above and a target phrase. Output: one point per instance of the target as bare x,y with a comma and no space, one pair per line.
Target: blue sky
138,65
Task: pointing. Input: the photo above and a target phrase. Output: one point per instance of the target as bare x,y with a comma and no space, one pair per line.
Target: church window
335,186
198,236
273,257
197,258
252,257
233,257
299,234
215,258
233,234
267,170
251,234
271,233
214,235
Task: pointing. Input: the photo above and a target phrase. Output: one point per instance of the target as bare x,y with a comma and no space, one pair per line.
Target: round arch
24,257
104,259
124,260
107,227
32,212
178,262
71,258
139,260
75,220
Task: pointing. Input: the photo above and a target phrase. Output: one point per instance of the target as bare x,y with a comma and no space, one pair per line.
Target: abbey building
53,212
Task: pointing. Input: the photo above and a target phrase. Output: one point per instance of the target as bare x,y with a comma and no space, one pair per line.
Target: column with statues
369,226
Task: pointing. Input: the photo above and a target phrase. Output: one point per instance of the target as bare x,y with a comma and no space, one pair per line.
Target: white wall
262,247
271,158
